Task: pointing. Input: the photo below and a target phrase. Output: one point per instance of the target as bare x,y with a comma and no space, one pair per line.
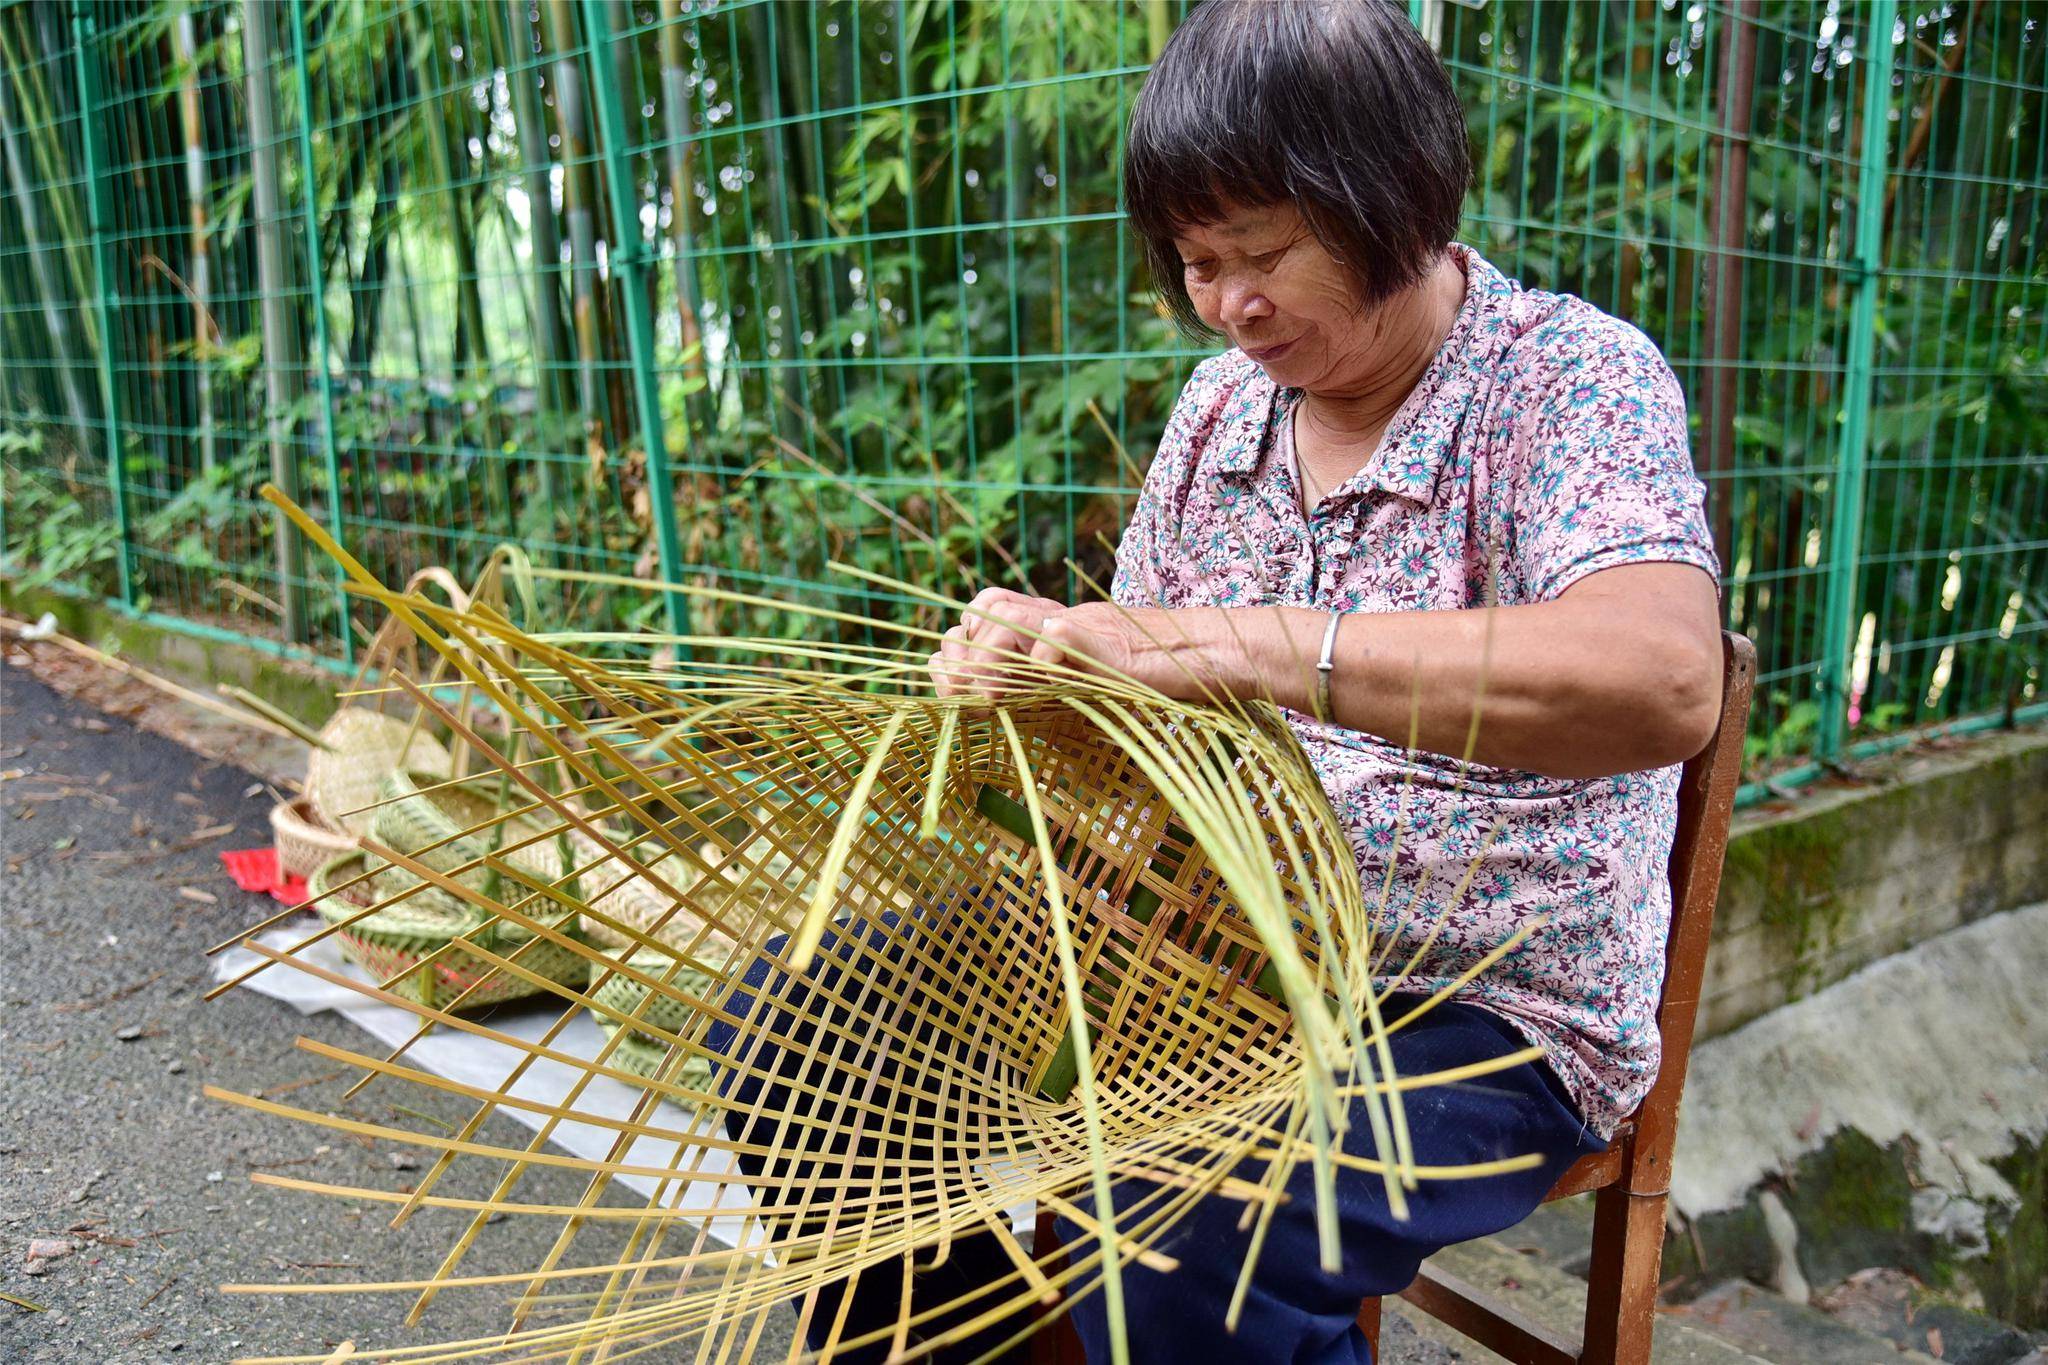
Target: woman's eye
1201,270
1270,259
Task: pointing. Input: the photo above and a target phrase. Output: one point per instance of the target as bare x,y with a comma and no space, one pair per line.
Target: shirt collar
1414,452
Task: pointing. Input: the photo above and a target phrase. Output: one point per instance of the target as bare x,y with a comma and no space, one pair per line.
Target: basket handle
392,646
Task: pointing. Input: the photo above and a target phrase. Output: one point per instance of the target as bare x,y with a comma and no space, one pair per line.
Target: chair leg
1055,1342
1621,1297
1369,1323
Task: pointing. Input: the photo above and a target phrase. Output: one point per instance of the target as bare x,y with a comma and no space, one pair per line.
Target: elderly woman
1400,437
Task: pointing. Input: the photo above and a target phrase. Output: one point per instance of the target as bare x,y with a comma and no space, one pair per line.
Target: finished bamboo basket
411,937
304,842
644,1010
1093,946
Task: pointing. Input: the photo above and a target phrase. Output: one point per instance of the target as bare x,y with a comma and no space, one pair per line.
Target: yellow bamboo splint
1093,936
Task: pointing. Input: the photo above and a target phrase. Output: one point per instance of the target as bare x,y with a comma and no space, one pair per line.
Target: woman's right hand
999,627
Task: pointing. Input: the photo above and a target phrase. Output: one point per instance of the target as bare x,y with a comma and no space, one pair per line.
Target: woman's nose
1243,303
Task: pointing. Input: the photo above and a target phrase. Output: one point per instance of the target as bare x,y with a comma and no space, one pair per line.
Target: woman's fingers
971,656
1056,639
994,600
941,666
950,668
984,652
998,628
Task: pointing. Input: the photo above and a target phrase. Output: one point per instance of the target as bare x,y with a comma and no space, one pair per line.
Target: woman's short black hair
1338,106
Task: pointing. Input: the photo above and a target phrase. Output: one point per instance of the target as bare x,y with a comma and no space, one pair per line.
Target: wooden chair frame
1633,1176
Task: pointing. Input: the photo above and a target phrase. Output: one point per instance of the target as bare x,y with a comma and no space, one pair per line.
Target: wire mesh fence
733,292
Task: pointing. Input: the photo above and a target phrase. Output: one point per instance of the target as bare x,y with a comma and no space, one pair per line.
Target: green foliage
899,323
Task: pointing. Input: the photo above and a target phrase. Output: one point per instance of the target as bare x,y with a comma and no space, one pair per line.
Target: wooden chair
1633,1176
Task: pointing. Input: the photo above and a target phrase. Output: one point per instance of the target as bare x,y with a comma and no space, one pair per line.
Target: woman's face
1262,279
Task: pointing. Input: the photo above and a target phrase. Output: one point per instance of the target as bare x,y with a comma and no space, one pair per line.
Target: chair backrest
1706,800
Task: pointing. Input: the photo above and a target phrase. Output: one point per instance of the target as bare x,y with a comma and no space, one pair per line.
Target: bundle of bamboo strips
1104,936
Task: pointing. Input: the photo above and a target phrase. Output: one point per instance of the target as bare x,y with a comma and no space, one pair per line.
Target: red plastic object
255,869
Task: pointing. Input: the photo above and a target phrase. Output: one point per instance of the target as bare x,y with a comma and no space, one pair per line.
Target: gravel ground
110,890
110,897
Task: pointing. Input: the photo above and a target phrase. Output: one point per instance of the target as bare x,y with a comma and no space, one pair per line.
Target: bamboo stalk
283,371
579,196
199,275
681,156
49,294
551,340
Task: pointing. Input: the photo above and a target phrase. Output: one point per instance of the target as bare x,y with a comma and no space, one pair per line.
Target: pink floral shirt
1550,437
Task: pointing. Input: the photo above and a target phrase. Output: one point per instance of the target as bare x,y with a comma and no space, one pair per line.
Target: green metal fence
730,291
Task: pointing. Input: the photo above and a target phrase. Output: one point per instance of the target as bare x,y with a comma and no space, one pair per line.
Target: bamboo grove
723,292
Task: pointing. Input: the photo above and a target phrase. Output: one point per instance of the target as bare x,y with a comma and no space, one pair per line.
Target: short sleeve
1145,553
1140,579
1606,477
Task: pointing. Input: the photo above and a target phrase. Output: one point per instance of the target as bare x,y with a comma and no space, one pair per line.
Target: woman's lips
1266,355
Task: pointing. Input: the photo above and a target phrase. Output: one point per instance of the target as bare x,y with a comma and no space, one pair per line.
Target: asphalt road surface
110,891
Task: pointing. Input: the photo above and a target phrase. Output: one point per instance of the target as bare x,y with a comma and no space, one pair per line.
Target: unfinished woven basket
1111,939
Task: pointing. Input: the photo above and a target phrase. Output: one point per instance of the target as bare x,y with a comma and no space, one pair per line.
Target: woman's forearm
1606,679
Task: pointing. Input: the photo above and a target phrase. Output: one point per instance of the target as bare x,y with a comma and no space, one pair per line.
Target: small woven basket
619,1003
437,822
397,940
305,844
644,1056
618,999
360,749
422,814
362,743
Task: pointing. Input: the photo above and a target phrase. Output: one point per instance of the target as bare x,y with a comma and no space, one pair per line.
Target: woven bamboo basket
366,740
624,1004
1087,947
305,844
454,825
405,940
360,748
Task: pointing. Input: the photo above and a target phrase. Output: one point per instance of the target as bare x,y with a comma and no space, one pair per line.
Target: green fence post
1428,15
629,256
84,34
317,286
1845,515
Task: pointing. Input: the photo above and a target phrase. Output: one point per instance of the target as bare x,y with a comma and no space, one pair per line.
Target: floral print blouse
1546,441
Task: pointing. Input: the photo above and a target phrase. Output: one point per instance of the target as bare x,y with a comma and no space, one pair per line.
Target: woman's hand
999,626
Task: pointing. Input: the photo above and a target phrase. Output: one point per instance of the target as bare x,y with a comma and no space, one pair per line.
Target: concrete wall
291,681
1841,878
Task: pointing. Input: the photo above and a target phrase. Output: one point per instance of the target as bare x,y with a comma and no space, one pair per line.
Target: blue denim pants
1295,1312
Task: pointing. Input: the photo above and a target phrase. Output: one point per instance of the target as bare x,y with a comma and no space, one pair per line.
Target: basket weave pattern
304,844
1086,938
406,936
